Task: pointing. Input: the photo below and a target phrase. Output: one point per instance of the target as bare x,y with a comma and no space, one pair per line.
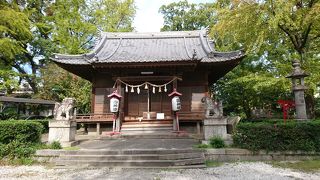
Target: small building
145,68
27,108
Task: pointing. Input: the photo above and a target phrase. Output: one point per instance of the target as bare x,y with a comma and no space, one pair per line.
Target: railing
93,117
191,116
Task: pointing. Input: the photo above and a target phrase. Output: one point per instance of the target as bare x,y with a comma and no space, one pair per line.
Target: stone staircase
139,158
147,126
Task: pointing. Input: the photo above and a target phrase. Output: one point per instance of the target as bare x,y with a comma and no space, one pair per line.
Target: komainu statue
213,109
64,110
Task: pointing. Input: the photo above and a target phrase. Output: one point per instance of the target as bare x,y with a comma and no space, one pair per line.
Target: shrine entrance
139,105
147,100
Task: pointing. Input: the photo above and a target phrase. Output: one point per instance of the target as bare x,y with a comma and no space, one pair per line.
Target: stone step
132,157
122,152
145,125
149,122
126,163
147,135
150,129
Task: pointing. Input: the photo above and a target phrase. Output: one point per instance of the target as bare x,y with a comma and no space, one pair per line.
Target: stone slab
215,127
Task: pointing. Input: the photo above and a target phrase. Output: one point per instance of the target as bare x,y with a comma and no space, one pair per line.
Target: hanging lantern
165,88
126,88
153,90
159,88
138,90
146,86
132,90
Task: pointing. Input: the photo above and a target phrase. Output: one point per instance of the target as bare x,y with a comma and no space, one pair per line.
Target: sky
148,19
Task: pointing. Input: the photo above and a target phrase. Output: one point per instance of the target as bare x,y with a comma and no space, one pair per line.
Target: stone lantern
298,88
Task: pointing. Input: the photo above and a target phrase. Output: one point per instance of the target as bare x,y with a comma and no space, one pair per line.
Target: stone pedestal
63,131
215,127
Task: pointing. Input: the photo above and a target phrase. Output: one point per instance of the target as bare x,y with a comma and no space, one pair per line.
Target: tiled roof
151,47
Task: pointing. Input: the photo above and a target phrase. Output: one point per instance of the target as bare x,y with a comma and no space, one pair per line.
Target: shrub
44,122
216,142
293,136
202,146
16,150
20,131
55,145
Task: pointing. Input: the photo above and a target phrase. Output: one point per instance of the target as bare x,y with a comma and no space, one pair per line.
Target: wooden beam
146,78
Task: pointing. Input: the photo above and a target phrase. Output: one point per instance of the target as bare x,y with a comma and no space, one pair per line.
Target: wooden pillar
92,98
175,86
98,129
198,128
118,120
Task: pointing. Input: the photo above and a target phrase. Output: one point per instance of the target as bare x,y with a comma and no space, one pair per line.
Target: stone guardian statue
64,110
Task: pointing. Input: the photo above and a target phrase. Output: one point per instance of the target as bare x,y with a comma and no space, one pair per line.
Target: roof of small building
135,47
26,100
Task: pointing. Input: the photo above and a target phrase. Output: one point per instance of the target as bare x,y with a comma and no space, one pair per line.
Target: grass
210,163
305,166
207,146
202,146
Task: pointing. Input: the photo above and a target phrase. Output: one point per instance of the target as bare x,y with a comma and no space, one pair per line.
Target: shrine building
144,68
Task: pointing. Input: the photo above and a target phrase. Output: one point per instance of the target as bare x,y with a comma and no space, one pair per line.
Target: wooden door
137,103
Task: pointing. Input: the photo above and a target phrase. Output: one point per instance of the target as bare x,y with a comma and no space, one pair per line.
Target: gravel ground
245,170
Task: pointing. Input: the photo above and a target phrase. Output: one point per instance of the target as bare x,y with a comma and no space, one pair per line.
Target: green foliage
14,31
55,145
202,146
20,132
306,166
291,136
184,16
44,123
216,142
291,25
251,86
210,163
16,150
59,84
30,31
273,33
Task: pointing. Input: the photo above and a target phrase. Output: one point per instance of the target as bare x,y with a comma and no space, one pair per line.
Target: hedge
45,124
292,136
20,131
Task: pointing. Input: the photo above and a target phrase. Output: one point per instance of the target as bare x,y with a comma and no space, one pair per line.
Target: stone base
215,127
69,144
63,131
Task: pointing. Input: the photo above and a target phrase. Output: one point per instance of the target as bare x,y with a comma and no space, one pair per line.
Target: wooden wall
193,87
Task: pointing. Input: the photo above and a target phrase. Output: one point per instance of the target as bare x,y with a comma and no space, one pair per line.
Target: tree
31,30
25,38
275,31
255,26
59,84
14,35
184,16
76,26
262,25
